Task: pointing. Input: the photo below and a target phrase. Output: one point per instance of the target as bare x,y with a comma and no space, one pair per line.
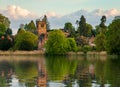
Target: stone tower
42,33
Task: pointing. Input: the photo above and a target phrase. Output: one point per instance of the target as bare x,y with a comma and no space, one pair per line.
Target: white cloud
108,13
16,12
52,14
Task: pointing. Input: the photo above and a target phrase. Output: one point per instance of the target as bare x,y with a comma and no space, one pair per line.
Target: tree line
84,38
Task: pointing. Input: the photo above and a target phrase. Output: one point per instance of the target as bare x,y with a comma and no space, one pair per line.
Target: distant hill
92,17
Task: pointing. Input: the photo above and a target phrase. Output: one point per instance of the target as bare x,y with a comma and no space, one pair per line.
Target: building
42,33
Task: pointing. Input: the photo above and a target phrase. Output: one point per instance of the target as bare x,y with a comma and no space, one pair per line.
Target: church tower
42,33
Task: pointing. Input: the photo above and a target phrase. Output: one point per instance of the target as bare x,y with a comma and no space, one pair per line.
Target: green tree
5,43
25,40
5,21
102,27
71,44
103,20
100,42
88,30
68,27
26,27
112,38
31,26
8,31
84,28
82,25
2,28
56,43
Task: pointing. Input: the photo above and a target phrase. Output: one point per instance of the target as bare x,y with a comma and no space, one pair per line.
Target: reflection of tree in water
61,69
6,70
99,72
112,71
26,72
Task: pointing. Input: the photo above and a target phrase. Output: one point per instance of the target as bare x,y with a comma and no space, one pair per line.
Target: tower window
42,25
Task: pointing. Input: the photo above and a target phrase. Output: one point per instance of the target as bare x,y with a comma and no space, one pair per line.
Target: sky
21,11
62,7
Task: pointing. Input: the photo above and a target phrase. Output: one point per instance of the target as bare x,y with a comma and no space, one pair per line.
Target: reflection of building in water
82,75
92,71
42,74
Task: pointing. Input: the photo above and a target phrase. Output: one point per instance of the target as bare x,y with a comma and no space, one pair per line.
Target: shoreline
39,52
35,52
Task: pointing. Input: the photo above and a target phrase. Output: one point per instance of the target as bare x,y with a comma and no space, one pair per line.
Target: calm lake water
69,71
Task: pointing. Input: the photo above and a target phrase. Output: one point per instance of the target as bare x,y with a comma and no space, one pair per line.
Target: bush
72,44
25,40
56,43
5,44
100,42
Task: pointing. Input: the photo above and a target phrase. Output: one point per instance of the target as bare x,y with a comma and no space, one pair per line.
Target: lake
60,71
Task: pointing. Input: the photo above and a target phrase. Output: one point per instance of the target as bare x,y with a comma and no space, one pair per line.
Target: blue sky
58,11
61,6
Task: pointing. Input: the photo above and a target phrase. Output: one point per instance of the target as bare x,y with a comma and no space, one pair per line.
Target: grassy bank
38,52
89,53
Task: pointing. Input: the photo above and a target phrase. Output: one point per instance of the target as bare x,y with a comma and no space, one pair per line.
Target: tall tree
113,38
103,20
70,29
84,28
102,27
88,29
82,25
31,26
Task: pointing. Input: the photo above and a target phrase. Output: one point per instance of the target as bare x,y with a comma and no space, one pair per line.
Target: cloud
16,12
17,16
108,13
52,14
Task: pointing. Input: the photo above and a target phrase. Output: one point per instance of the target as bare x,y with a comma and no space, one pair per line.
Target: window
42,25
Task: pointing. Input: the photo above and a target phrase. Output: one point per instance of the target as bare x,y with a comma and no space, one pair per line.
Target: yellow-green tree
56,43
25,40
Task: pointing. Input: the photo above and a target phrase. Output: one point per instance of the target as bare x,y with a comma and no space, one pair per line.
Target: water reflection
72,71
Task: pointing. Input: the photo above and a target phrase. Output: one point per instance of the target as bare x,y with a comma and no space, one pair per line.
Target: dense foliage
84,28
5,21
25,40
6,42
4,24
113,38
56,43
68,27
100,42
71,44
